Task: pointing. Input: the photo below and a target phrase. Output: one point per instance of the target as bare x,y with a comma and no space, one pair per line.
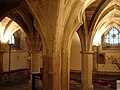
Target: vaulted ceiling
100,16
92,10
101,13
17,11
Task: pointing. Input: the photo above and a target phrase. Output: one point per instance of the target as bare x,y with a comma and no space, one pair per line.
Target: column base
86,87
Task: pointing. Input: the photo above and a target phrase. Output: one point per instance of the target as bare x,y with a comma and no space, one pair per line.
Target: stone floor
76,86
73,86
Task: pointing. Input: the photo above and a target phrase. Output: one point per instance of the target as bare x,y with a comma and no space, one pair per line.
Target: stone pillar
87,66
35,61
35,65
1,61
52,71
1,57
95,60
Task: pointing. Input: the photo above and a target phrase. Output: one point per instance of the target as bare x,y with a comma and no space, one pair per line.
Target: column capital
87,52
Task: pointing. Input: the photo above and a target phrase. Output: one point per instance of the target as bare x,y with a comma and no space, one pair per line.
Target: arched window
112,37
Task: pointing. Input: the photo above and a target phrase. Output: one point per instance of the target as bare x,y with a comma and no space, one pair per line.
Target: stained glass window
112,37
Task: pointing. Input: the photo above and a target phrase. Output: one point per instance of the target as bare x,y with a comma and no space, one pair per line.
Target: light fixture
10,45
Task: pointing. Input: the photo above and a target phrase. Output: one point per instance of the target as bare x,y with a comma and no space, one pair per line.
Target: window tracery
112,37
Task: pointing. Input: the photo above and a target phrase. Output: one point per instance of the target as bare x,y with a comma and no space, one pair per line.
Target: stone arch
71,26
104,27
63,37
13,7
111,25
8,12
97,14
102,22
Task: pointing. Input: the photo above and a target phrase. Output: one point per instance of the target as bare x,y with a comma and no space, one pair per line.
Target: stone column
95,60
1,61
1,57
87,66
35,66
35,61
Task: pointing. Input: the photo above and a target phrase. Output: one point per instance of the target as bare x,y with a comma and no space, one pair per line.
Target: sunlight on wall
8,27
97,37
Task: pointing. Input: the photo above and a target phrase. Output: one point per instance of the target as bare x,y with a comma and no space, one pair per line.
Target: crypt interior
59,44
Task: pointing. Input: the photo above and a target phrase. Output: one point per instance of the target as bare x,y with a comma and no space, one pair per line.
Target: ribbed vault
109,17
54,22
